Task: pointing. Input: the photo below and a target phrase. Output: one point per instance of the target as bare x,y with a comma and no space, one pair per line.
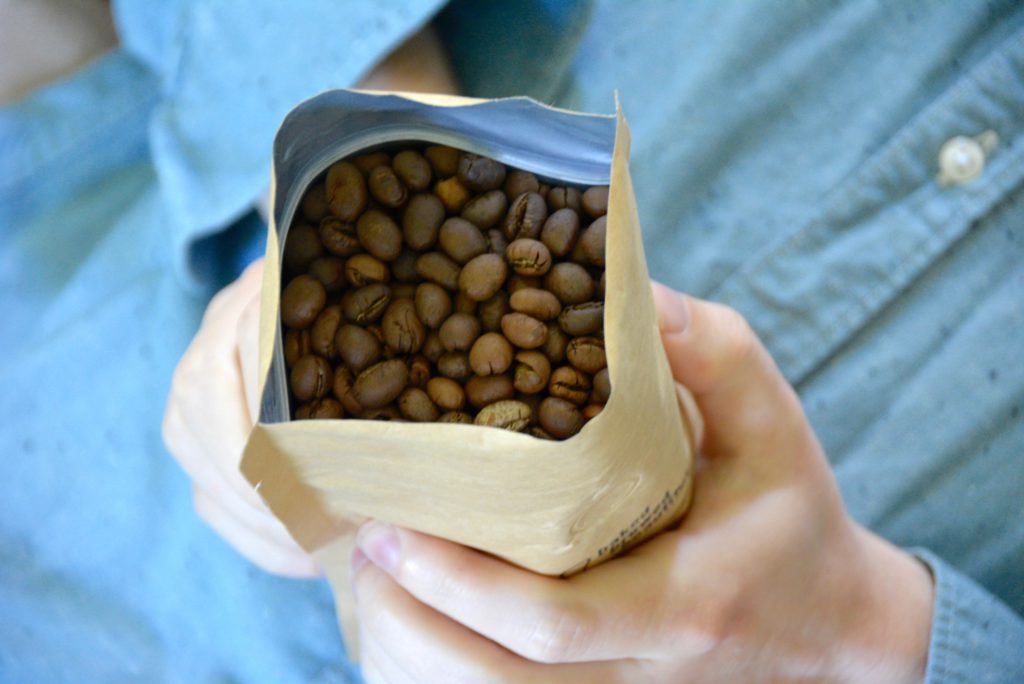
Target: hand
208,418
766,579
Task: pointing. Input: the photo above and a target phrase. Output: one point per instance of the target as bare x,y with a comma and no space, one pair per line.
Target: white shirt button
962,159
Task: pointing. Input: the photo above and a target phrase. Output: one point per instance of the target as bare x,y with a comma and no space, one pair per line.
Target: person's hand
209,415
766,579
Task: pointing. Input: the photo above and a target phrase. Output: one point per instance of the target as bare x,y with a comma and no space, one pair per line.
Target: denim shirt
785,158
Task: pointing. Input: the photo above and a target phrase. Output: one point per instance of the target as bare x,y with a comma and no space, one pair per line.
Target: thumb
747,405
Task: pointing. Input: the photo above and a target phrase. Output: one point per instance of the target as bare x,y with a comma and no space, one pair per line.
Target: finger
278,559
747,405
542,619
409,641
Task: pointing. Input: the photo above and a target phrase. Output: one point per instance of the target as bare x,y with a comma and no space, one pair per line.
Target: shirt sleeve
975,638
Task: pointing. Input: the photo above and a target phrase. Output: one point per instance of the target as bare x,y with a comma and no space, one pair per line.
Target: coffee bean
456,417
330,271
403,330
559,417
320,409
302,300
570,283
592,242
600,284
461,240
602,387
508,414
560,231
454,365
325,327
525,217
459,332
363,269
446,393
490,311
538,432
496,242
532,372
563,198
518,182
524,331
381,383
480,173
486,210
359,348
301,248
419,371
342,389
582,319
433,305
311,377
528,257
366,304
368,162
296,344
491,354
520,282
432,347
389,413
379,235
587,354
404,267
595,201
554,347
403,291
591,411
438,268
386,187
421,221
314,203
464,304
345,190
482,276
453,194
339,237
570,384
415,405
482,390
414,170
444,160
536,303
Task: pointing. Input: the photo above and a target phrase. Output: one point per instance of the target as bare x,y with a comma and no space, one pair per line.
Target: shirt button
962,159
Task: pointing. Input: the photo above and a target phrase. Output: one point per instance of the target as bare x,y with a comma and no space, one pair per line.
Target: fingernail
379,542
673,309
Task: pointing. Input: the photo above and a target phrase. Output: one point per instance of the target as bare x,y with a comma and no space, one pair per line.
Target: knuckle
561,634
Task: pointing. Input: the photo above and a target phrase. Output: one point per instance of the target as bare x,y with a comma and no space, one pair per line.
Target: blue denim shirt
785,159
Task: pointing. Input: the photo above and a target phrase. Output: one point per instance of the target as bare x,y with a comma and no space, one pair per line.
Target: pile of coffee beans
429,284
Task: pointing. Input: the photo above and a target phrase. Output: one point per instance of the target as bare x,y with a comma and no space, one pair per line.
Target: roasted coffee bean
379,235
368,162
518,182
532,372
386,187
570,384
403,330
480,173
314,203
454,365
446,393
531,400
414,170
543,190
602,387
560,231
453,194
433,305
591,411
444,160
325,327
528,257
582,319
587,354
389,413
342,388
346,191
465,304
570,283
538,432
403,291
537,303
486,210
482,390
320,409
432,347
559,417
459,332
302,301
339,237
381,383
525,217
595,201
415,405
456,417
367,304
311,377
490,354
482,276
301,248
524,331
508,414
592,242
490,311
419,371
363,269
297,343
520,282
461,240
421,221
404,267
438,268
359,348
565,198
329,270
554,347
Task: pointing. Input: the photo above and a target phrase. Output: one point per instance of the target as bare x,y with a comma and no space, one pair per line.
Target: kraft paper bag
553,507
